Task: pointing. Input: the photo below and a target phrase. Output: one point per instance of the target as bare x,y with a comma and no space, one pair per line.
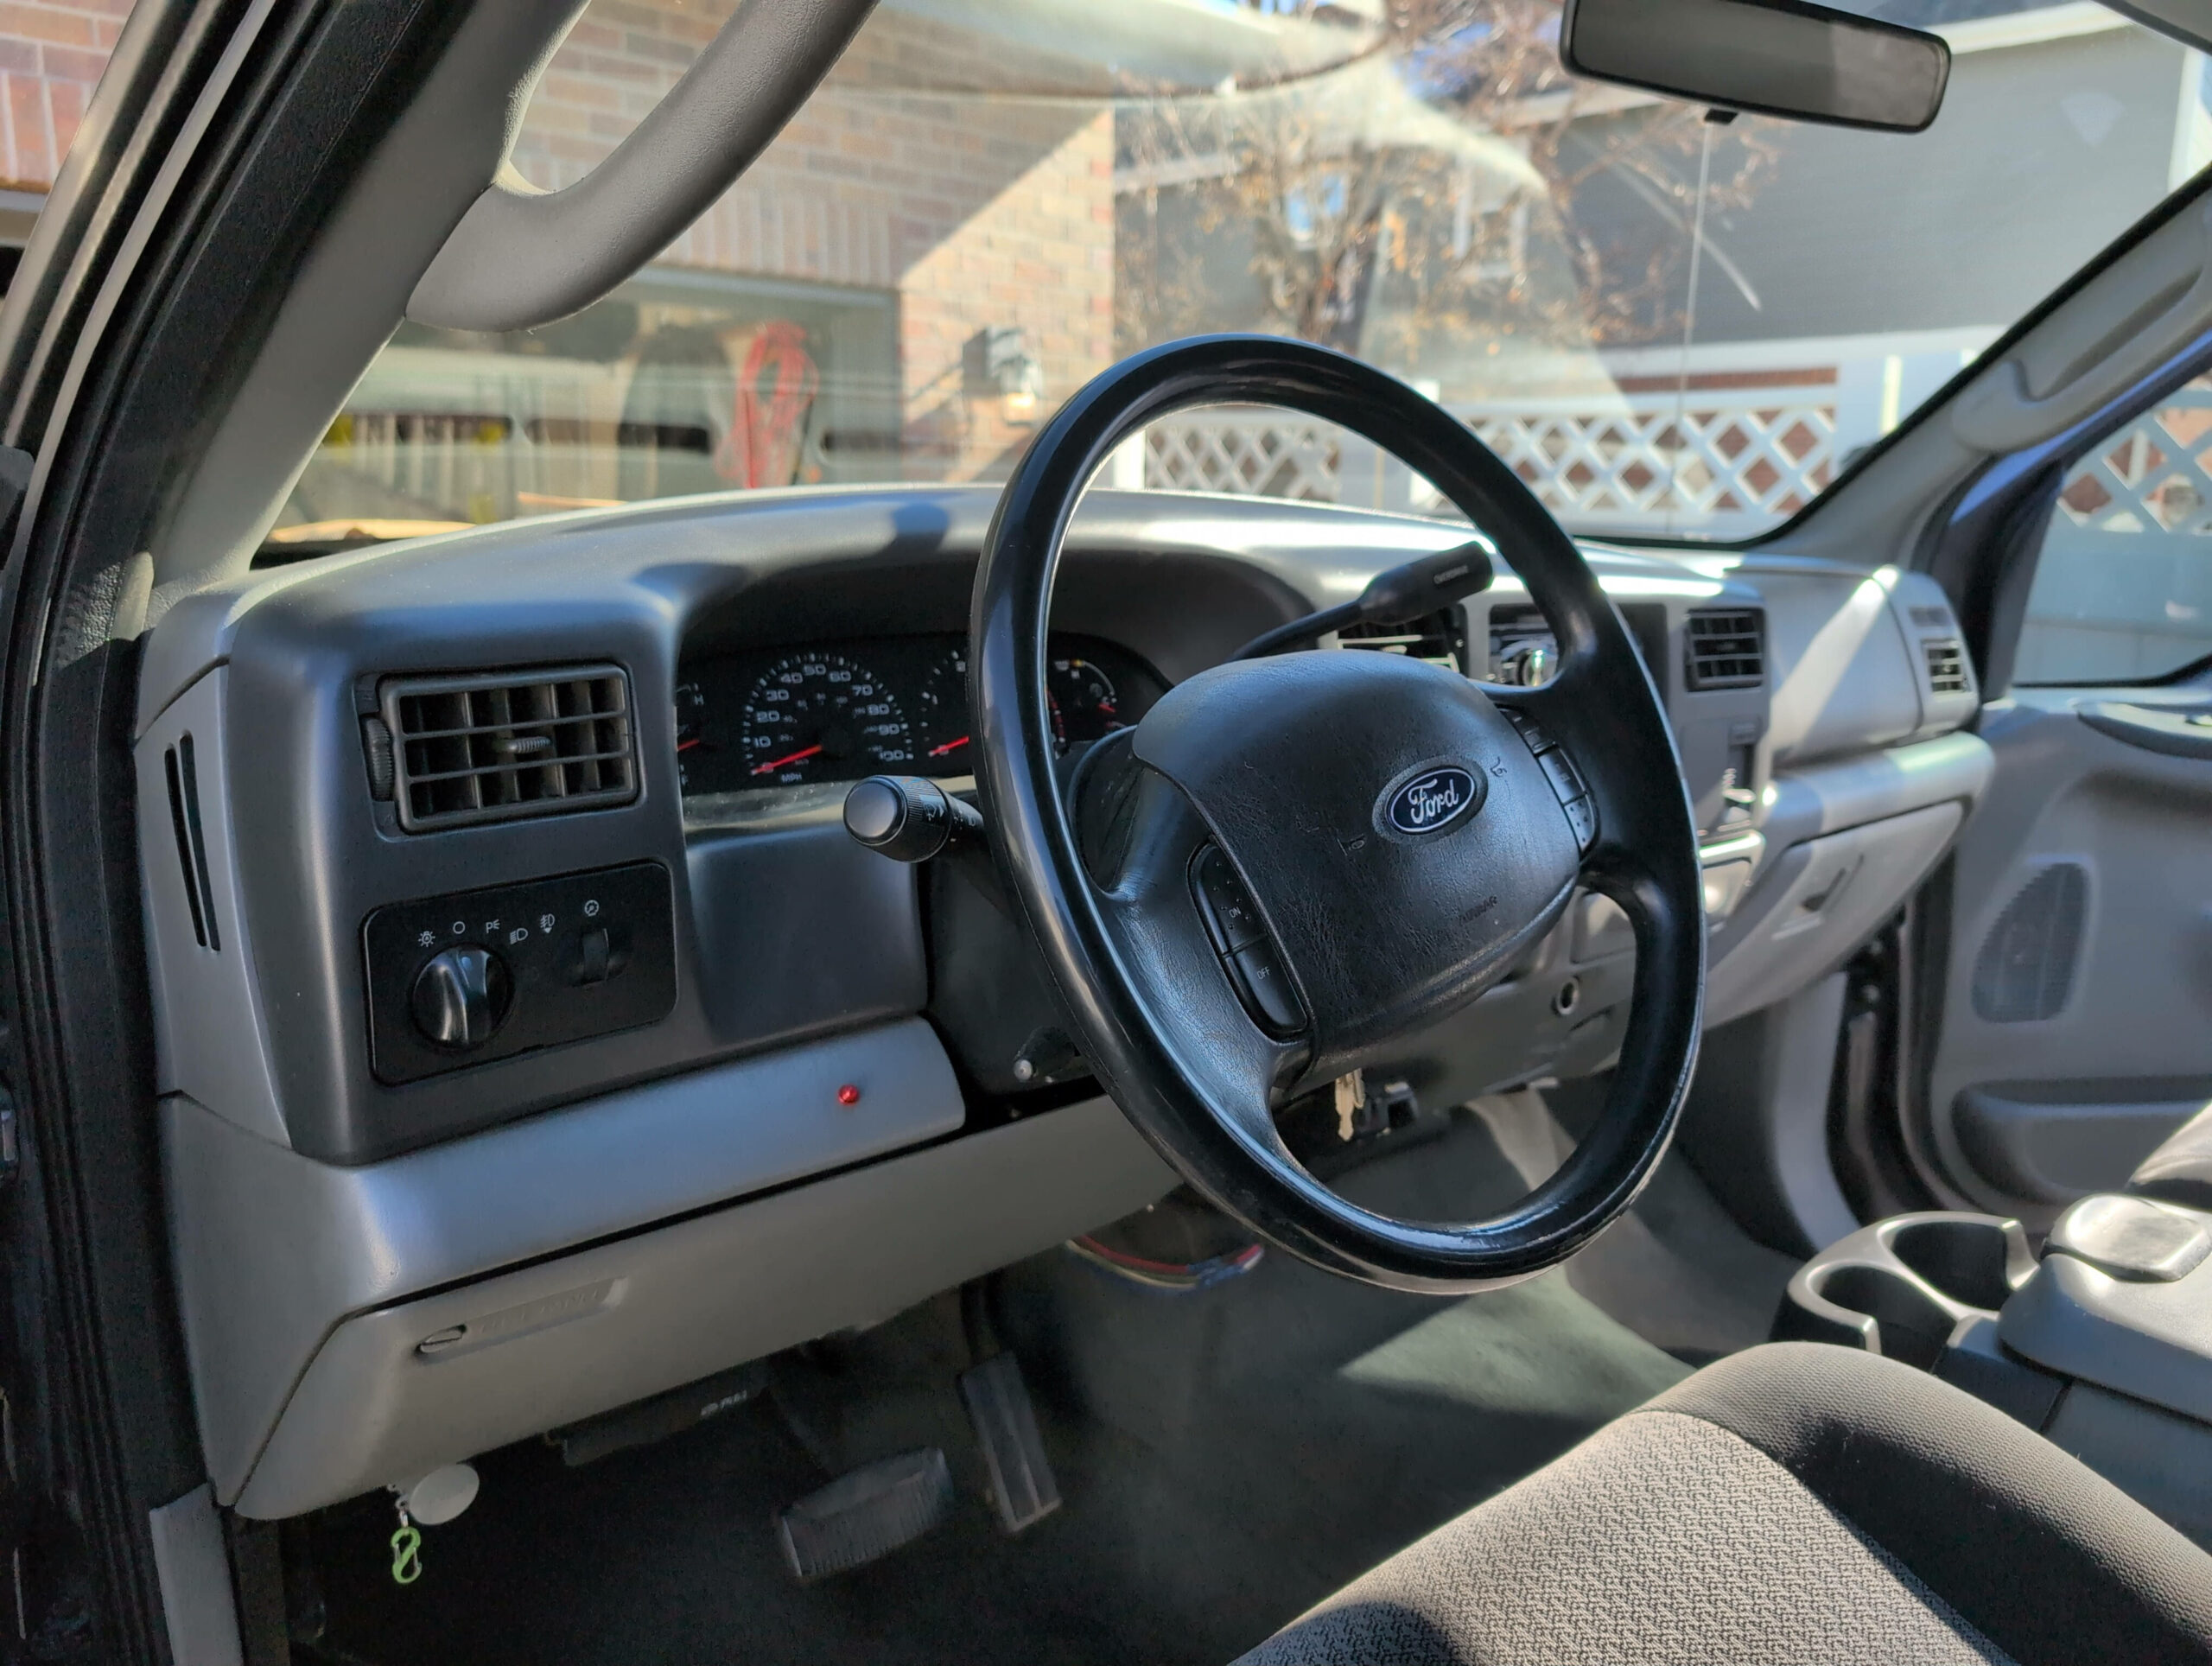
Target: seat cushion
2180,1170
1797,1501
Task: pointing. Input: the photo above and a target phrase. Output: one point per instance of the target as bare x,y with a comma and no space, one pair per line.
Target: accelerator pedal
864,1513
1022,1483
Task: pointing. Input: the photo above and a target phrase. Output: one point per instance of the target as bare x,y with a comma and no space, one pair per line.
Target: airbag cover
1309,767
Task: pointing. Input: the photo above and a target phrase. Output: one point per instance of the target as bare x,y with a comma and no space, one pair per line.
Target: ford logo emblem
1433,800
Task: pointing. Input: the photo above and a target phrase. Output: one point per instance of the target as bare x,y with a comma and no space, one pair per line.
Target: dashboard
707,680
533,1038
843,709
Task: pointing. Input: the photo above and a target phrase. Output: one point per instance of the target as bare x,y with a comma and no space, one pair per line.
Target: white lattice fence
1261,454
1712,460
2123,587
2150,477
1724,462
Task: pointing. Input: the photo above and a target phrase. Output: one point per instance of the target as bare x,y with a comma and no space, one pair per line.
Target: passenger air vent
191,845
1725,648
2025,969
1947,666
509,744
1440,638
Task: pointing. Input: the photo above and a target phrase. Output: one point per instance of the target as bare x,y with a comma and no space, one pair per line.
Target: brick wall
51,54
979,210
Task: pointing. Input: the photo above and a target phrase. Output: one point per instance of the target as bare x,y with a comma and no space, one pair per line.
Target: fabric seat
2180,1170
1794,1503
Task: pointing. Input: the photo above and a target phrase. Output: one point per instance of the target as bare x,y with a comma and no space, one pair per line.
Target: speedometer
821,717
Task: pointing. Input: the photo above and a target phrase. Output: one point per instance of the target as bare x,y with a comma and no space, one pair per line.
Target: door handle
2179,731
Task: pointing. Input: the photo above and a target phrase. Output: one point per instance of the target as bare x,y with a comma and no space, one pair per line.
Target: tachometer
821,717
945,748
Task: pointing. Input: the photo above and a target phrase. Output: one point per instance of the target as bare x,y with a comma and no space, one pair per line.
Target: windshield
1669,325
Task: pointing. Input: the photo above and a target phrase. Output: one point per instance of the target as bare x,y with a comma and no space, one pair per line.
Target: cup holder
1963,1258
1902,1287
1894,1316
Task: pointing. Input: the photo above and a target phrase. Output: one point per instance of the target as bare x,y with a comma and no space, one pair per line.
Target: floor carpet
1227,1458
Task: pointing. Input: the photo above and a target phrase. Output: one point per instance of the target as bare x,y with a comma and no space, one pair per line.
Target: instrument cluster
838,711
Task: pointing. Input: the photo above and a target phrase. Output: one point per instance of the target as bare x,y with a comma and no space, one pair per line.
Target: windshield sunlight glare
1670,326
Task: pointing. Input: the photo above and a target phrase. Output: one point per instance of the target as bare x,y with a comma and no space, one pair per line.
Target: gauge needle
686,745
949,745
777,763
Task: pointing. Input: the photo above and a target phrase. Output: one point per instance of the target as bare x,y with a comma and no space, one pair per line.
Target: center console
2103,1343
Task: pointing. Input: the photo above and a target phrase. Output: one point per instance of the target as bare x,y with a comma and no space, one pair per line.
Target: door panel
2077,1010
2077,1007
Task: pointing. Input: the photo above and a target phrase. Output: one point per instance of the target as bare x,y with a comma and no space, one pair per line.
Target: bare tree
1331,220
1277,189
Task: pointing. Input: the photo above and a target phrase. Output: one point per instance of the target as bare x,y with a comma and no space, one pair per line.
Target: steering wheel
1291,864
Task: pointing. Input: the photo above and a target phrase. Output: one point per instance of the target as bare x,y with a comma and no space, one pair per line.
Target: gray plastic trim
2121,326
2054,1142
1756,1126
350,290
1852,791
520,258
194,1570
2151,1341
2134,1239
1923,613
1837,660
211,1033
1813,905
626,1319
273,1250
2179,19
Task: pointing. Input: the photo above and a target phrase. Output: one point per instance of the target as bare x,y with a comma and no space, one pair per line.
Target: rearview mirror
1777,57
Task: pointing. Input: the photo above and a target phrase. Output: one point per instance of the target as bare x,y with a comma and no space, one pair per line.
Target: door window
2123,585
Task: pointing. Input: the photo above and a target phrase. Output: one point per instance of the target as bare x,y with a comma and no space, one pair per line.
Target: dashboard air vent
1947,666
1440,638
509,744
1725,648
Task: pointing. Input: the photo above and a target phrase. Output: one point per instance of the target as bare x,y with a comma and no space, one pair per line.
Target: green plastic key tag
406,1550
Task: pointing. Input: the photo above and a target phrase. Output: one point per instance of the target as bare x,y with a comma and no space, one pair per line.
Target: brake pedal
1022,1483
864,1513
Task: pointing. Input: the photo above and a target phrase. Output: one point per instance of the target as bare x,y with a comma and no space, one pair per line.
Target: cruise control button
1266,988
1531,731
1227,907
1582,816
1561,773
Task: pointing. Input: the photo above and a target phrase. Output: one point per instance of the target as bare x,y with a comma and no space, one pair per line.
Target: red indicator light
848,1095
